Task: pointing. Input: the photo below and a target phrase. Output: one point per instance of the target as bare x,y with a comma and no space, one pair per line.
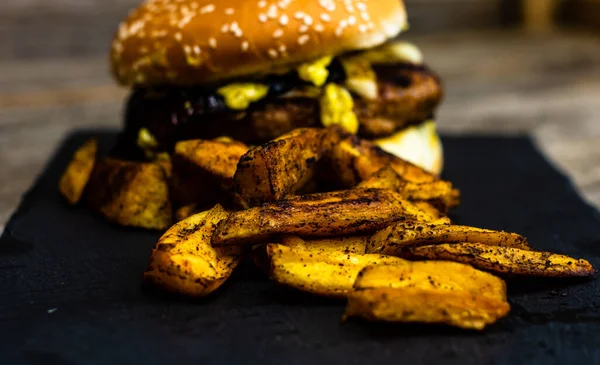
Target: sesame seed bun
193,42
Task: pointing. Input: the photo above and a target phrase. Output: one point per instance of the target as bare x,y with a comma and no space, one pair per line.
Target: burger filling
375,94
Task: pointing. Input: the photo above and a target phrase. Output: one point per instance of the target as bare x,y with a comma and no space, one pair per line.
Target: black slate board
70,285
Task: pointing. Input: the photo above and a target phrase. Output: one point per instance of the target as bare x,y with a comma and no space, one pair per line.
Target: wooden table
497,83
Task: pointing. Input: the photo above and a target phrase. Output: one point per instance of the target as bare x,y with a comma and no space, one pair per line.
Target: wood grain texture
496,82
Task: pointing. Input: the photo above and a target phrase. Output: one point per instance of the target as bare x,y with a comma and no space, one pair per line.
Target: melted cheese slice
418,144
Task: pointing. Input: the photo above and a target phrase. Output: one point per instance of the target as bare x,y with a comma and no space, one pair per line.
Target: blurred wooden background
509,66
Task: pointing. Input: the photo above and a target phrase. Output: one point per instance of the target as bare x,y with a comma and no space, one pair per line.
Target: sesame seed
230,11
283,4
339,31
197,50
308,20
298,15
284,20
187,49
207,9
273,53
325,17
178,36
344,23
278,33
303,39
238,33
352,20
303,28
361,6
362,28
350,8
319,28
262,18
282,48
234,26
225,28
262,4
245,46
272,12
365,16
212,42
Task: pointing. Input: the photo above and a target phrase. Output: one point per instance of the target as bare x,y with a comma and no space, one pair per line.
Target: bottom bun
419,144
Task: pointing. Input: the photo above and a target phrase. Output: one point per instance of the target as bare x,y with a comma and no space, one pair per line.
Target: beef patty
408,95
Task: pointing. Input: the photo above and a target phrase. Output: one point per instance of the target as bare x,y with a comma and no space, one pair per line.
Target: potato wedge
439,193
402,235
130,193
350,212
330,274
455,308
432,275
184,262
203,168
505,260
348,244
353,160
278,168
431,210
78,172
216,159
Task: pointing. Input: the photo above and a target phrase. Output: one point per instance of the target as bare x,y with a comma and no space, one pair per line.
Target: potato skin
204,168
460,309
78,171
439,193
330,274
506,260
350,212
432,275
130,193
348,244
402,235
278,168
184,262
353,160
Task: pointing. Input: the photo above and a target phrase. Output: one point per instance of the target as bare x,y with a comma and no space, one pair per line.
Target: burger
253,70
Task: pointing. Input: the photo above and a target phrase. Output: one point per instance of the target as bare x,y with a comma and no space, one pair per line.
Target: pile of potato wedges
318,210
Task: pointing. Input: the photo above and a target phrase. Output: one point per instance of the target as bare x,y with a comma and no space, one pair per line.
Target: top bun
192,42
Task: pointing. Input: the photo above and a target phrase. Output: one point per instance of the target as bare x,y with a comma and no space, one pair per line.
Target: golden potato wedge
455,308
353,160
440,193
506,260
330,274
432,275
350,212
184,262
202,169
78,172
431,210
396,238
130,193
278,168
348,244
216,159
